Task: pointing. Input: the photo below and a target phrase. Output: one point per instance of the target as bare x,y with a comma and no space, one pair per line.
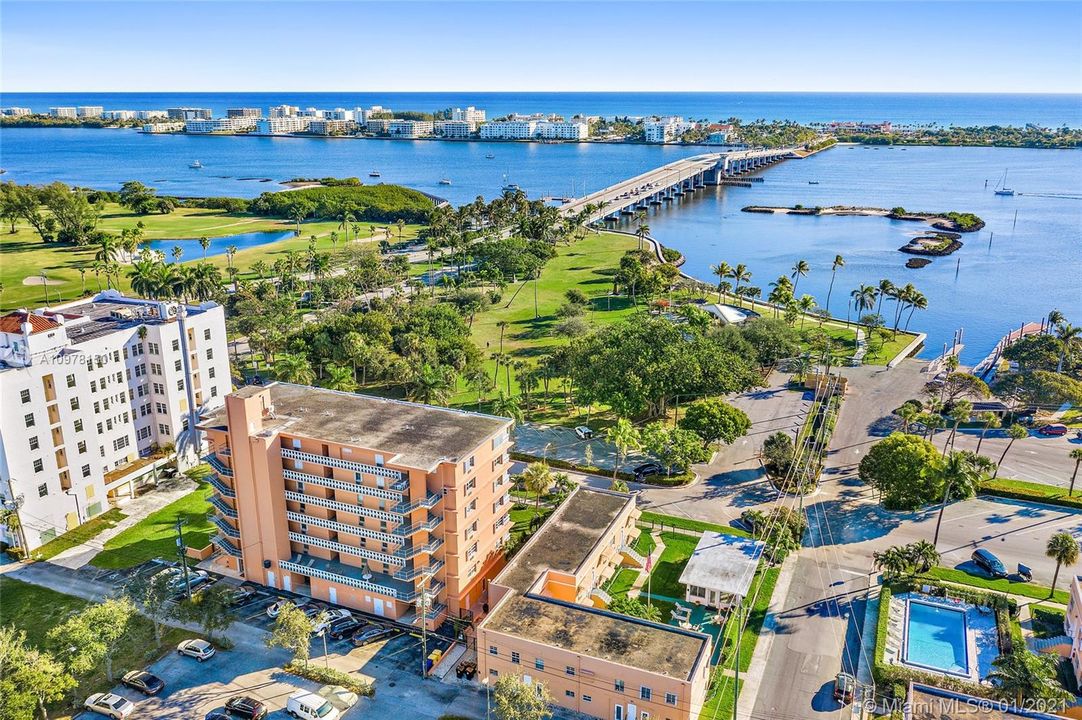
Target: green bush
330,676
376,203
1033,492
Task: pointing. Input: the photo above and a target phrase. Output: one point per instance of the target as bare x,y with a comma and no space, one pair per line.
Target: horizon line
568,92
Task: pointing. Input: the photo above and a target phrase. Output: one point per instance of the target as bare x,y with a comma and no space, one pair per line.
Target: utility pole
424,626
183,560
736,663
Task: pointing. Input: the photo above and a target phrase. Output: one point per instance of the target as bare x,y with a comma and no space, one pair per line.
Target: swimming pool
936,638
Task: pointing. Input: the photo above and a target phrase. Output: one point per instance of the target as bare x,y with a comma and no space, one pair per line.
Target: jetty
986,368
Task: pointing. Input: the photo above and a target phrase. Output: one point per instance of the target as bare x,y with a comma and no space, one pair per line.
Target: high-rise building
470,115
244,112
89,111
281,111
68,112
187,113
93,388
361,501
509,130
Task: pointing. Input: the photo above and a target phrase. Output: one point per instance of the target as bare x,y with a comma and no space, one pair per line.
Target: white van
309,706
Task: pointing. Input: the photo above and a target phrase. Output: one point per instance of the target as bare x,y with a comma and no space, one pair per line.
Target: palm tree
839,262
642,232
922,555
893,562
340,377
204,242
988,420
959,413
176,252
294,368
1075,455
886,289
907,413
1022,675
722,270
624,436
863,299
82,277
432,385
536,479
401,225
800,269
506,406
260,268
107,249
1063,548
1014,432
1067,335
917,301
805,304
345,220
145,278
229,253
739,274
957,473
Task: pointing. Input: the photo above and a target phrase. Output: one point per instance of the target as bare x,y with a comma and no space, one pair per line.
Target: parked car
344,627
197,648
144,682
328,617
1053,429
240,596
110,705
309,706
371,634
844,687
196,578
246,707
748,520
989,563
650,468
276,607
338,696
584,432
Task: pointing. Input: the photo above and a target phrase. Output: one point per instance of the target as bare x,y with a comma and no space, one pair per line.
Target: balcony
225,527
223,507
223,489
342,507
345,549
225,546
412,573
412,550
427,526
429,502
349,575
343,527
377,470
333,484
219,467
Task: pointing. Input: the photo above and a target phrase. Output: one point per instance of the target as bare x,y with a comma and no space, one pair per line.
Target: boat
490,156
510,188
813,182
374,173
196,165
445,181
1002,188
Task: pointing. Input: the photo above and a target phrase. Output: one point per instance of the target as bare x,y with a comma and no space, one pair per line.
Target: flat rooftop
723,563
414,435
566,539
932,703
85,321
621,639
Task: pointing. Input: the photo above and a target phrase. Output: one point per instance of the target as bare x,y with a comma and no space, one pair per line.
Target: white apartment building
283,125
361,115
187,113
311,113
338,114
562,130
119,115
17,111
220,125
470,115
410,128
454,129
244,112
163,127
377,126
63,112
89,111
509,130
665,129
281,111
319,126
90,388
151,114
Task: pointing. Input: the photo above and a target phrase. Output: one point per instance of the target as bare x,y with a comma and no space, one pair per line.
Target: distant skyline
934,47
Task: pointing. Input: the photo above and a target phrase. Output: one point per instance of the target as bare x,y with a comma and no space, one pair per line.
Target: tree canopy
904,468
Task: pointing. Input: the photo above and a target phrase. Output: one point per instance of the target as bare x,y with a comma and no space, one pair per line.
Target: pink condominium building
362,501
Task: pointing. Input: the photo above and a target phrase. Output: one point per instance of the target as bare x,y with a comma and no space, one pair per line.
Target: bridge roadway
666,183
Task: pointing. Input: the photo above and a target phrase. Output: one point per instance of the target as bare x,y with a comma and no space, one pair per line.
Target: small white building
666,129
17,111
119,115
320,126
163,127
454,129
509,130
720,571
410,128
339,114
68,112
283,125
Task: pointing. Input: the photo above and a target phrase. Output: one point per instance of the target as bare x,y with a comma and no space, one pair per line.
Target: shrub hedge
330,676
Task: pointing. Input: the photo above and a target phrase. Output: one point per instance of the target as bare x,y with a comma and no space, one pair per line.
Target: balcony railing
221,487
223,507
225,527
602,596
411,573
225,546
343,527
219,466
413,550
330,576
429,501
334,484
346,549
350,465
427,526
343,507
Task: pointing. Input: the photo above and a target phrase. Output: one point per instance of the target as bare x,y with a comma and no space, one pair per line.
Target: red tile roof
12,323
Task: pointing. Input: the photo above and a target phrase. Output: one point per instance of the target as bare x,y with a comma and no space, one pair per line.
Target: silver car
197,648
110,705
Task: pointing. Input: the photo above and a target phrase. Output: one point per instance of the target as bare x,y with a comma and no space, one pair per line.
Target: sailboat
1003,189
196,165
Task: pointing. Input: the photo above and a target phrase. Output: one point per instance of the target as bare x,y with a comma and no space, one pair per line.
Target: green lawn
620,583
521,518
644,544
1003,585
23,254
77,536
35,610
665,577
1034,492
675,521
155,535
1047,621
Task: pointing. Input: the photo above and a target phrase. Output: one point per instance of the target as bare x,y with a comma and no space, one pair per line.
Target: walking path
136,510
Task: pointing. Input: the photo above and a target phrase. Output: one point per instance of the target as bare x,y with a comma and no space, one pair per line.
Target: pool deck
981,638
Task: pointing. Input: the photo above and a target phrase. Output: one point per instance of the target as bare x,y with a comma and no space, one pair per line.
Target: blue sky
553,46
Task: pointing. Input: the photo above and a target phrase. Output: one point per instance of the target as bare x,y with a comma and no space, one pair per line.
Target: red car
1053,429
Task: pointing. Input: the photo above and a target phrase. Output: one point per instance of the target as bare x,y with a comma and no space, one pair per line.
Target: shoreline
939,221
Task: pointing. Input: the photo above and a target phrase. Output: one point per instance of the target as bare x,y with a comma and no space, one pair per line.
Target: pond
191,250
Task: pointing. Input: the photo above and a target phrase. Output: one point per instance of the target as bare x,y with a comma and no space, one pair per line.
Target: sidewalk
754,676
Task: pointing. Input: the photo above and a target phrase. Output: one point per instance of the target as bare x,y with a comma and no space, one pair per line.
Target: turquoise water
192,250
936,638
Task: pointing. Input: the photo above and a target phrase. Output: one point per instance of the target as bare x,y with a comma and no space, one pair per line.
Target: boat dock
986,368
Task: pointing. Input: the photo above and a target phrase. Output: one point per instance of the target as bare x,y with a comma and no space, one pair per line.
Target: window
492,650
24,395
143,433
514,657
71,380
75,403
618,686
644,693
153,348
93,386
210,353
120,443
569,693
468,465
116,355
108,423
670,698
81,446
86,470
159,389
539,663
472,506
163,429
213,391
570,670
161,408
29,419
34,443
206,334
78,426
177,365
587,698
471,486
43,490
38,465
180,385
176,345
211,373
155,369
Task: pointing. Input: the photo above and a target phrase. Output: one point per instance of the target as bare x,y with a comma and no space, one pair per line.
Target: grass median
1002,585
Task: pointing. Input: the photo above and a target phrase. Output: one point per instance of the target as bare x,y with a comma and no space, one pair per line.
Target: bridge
669,182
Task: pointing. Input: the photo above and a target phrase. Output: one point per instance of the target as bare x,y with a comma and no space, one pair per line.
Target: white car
197,648
338,696
327,617
584,432
110,705
276,607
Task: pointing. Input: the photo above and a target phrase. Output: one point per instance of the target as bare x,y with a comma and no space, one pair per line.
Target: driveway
560,443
